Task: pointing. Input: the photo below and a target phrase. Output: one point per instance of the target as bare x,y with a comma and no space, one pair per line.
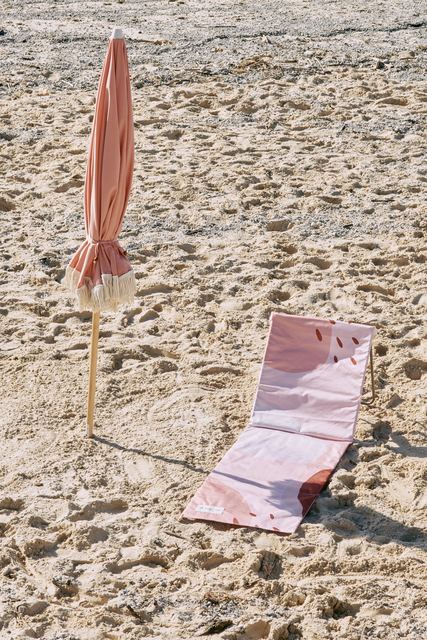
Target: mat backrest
312,376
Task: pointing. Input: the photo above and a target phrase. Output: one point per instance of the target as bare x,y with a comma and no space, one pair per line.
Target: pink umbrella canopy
99,272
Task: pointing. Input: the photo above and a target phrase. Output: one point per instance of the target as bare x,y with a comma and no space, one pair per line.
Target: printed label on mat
206,508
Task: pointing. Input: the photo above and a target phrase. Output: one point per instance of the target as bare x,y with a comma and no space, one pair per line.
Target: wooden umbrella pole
92,374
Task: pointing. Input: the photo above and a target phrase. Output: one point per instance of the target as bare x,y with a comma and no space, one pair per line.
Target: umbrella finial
117,33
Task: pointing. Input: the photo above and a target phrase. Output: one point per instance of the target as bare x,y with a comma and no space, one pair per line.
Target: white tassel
107,296
72,278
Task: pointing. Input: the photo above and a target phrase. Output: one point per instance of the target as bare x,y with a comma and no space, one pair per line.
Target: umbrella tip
117,33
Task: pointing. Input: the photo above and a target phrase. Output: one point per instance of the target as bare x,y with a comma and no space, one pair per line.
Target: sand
280,166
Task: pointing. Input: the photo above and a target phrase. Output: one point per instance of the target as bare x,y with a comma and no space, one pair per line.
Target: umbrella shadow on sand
146,454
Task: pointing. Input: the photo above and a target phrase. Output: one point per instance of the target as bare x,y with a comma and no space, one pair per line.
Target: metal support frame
371,364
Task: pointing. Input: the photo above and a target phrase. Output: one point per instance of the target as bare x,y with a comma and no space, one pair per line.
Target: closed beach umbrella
100,272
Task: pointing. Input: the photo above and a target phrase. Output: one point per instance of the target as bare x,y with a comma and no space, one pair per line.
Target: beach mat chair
303,420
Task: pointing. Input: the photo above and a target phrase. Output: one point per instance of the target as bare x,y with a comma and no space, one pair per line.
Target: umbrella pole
92,374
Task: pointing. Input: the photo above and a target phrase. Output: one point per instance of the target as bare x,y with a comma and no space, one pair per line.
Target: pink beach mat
303,420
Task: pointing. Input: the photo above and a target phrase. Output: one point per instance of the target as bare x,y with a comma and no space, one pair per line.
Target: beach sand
280,166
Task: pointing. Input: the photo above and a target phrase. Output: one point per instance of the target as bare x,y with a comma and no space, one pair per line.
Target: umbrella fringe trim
113,291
